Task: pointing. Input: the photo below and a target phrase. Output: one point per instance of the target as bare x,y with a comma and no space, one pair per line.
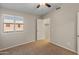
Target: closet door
40,29
43,29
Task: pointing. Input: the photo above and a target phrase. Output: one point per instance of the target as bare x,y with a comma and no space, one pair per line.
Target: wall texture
15,38
63,26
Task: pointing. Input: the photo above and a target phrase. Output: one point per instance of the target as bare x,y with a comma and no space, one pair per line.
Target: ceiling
29,7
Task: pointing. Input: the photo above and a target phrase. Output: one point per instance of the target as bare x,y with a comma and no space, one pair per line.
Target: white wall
15,38
63,23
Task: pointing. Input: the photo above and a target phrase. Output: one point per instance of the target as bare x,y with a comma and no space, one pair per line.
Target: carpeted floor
41,47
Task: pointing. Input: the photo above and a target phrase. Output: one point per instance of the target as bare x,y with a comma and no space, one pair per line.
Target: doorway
43,29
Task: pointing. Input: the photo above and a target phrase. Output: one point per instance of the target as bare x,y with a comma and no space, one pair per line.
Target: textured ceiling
29,7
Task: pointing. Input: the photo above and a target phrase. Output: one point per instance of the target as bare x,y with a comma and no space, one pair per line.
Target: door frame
36,29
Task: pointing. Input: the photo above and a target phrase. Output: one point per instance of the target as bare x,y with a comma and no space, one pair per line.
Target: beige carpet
41,47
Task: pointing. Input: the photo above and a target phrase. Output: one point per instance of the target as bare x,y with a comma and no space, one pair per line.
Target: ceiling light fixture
43,4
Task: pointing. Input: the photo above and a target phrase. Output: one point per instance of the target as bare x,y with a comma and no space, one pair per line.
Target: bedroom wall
63,26
15,38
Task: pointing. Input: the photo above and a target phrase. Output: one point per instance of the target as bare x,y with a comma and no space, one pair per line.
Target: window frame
14,30
19,23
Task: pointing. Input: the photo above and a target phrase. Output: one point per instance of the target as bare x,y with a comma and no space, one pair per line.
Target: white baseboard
15,45
63,47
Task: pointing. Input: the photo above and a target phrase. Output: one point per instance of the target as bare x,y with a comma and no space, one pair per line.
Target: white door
47,28
78,32
40,29
43,29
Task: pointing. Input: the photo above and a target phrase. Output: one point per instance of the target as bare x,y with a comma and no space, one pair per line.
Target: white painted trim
15,45
63,47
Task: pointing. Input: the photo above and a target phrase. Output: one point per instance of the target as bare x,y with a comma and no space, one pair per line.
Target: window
13,23
8,24
19,24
